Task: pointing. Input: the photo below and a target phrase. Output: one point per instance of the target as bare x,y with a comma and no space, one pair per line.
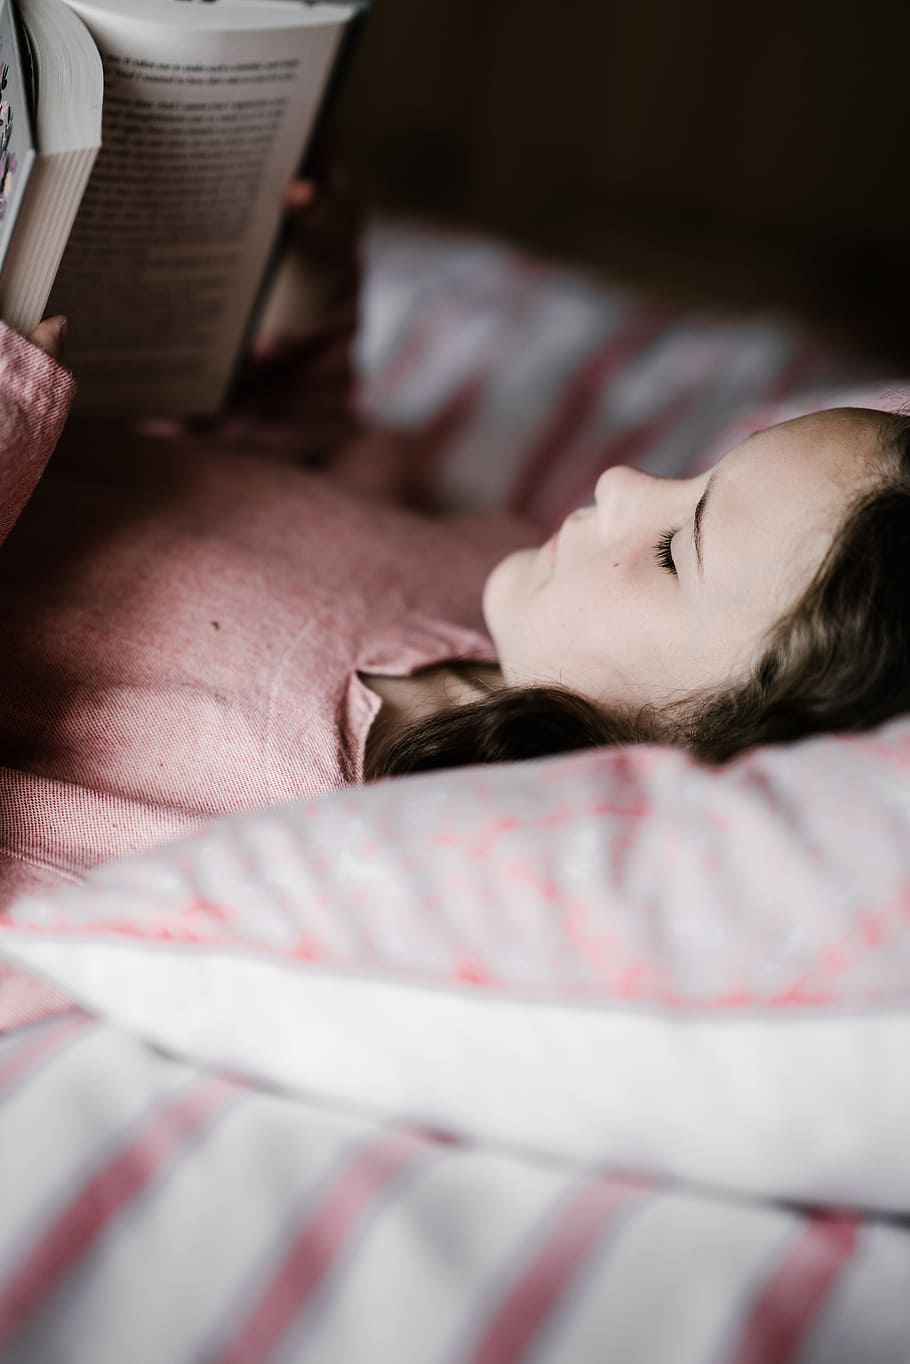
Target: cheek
564,621
618,590
589,604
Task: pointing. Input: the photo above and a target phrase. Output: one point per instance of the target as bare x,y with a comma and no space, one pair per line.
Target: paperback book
146,147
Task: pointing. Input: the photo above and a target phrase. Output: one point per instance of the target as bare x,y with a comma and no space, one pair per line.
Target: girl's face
668,585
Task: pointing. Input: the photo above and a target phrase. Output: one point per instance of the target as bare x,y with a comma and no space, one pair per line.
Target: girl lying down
192,626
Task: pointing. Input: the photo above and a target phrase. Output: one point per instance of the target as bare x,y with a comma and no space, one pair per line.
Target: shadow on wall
755,160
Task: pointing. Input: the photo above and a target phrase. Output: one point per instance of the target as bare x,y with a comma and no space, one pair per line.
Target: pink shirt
184,619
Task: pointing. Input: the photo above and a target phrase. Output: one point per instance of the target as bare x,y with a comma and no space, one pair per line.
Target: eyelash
662,552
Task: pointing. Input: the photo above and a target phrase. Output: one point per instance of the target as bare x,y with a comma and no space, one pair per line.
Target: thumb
49,336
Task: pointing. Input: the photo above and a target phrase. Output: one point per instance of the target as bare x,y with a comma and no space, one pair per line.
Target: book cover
17,141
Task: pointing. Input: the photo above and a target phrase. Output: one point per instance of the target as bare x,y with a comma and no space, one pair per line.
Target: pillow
506,382
882,397
617,956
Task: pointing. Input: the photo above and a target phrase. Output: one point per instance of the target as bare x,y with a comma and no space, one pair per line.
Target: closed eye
662,552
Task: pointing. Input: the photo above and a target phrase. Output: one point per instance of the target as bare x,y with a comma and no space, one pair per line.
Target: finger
49,336
301,193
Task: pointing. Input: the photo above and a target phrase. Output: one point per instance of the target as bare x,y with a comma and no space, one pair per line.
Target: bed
600,1056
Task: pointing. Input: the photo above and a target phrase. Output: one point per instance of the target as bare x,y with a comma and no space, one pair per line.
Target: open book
146,147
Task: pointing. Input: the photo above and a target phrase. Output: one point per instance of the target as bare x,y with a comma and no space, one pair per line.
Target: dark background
749,157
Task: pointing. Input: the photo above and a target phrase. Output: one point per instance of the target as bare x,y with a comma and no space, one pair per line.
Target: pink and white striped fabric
153,1211
487,1065
510,384
602,1056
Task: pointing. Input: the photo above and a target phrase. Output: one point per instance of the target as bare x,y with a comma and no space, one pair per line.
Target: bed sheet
161,1213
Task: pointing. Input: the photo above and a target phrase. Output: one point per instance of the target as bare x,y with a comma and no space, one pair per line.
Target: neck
408,699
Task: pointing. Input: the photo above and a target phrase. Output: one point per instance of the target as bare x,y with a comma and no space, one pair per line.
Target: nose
621,493
627,499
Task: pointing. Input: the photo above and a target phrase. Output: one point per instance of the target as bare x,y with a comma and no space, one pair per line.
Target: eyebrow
697,526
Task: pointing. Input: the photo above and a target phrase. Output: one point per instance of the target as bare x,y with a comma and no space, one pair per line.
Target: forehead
778,499
823,460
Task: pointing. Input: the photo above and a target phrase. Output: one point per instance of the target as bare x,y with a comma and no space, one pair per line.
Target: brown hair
838,661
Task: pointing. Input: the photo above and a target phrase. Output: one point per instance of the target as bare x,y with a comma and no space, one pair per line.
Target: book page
201,135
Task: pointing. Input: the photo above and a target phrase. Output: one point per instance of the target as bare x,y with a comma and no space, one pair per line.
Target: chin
504,589
488,601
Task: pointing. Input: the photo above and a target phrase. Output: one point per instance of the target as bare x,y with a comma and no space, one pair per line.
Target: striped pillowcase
512,383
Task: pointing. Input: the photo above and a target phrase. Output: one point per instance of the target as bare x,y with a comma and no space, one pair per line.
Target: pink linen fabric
184,620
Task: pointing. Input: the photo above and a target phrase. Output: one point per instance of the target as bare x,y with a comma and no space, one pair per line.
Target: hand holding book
326,223
317,266
49,336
